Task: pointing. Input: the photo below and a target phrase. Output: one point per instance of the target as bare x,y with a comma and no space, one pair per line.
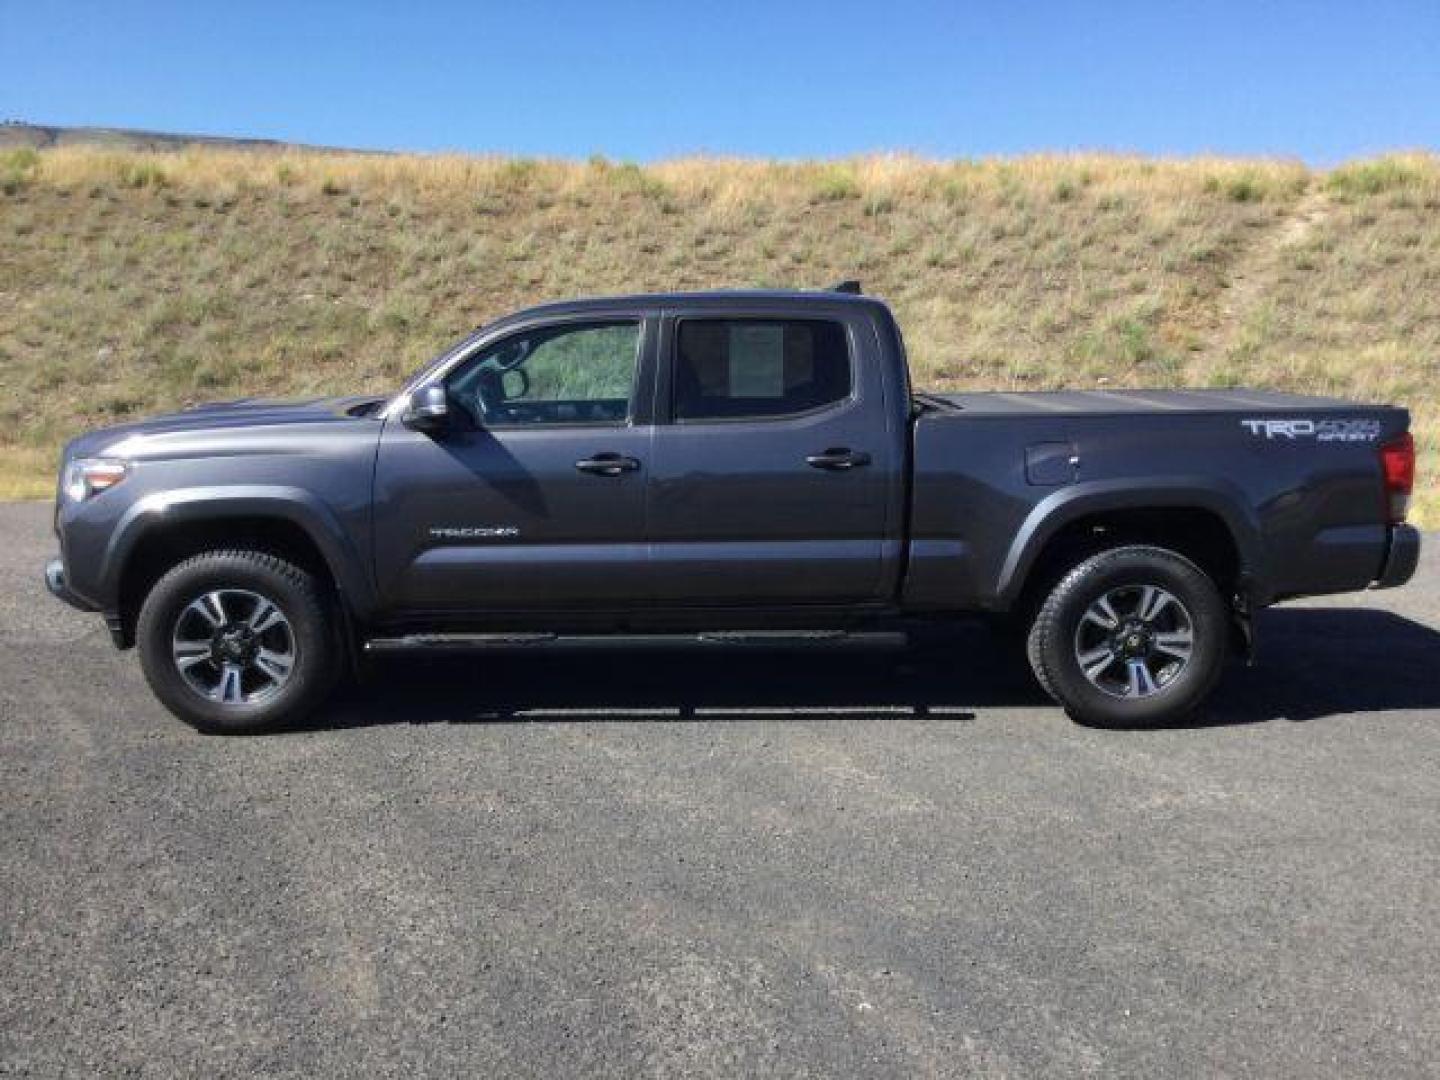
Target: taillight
1397,462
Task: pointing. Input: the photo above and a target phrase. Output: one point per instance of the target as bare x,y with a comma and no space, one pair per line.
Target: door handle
607,464
838,459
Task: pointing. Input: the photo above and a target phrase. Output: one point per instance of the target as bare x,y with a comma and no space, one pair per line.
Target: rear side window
733,369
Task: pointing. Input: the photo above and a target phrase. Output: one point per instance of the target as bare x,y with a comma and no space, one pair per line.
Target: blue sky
1320,80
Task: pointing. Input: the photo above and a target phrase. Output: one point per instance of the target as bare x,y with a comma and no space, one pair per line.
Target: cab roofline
704,298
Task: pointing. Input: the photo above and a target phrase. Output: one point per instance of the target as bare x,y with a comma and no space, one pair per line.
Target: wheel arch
1206,521
159,532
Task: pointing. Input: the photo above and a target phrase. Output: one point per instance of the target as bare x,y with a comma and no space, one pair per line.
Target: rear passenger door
773,470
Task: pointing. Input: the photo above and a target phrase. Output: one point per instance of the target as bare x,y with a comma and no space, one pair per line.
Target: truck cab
734,452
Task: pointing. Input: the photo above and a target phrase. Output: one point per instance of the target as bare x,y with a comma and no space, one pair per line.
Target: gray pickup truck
729,467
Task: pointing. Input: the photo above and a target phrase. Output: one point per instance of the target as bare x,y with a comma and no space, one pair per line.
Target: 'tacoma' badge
473,532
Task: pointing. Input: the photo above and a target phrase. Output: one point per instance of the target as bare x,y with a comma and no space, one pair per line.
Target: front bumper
1401,557
55,582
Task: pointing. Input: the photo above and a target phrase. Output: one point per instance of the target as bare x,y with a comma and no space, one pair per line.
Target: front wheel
1134,636
238,641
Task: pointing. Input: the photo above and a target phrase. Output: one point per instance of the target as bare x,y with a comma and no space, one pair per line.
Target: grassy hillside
133,282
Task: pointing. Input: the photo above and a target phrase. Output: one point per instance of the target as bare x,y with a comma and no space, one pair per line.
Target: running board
774,639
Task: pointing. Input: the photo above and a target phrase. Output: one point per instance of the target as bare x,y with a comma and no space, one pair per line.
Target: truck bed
1299,475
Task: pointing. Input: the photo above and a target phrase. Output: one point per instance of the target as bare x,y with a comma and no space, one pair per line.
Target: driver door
534,495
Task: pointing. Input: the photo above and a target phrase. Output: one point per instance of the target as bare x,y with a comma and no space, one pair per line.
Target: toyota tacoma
726,467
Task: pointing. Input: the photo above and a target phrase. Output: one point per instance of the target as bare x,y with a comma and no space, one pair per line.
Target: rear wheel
238,641
1133,636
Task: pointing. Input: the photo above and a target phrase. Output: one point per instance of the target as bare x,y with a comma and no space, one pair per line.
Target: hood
238,415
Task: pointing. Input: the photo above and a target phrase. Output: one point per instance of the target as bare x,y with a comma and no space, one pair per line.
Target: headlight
85,477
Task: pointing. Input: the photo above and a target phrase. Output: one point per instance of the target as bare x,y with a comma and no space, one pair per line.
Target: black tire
310,633
1055,640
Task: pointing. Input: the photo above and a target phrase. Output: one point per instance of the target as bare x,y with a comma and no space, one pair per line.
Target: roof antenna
849,285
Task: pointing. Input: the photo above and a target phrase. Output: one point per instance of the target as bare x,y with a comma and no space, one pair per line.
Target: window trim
672,363
641,323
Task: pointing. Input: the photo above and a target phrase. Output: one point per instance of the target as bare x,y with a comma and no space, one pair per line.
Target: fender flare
1069,504
297,506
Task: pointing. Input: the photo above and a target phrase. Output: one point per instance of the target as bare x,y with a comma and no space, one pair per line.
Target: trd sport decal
1319,430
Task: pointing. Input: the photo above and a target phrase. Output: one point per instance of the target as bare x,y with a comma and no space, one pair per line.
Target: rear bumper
55,582
1402,555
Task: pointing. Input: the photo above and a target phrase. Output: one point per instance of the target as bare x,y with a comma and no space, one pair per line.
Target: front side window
574,374
731,369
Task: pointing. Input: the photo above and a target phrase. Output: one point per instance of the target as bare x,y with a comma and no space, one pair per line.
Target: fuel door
1051,464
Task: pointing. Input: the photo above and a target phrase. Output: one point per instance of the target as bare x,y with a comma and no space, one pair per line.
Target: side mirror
514,384
428,410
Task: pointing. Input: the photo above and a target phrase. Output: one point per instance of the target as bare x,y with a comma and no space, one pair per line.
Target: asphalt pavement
724,863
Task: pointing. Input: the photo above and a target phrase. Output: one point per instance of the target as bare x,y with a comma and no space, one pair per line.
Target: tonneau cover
1103,402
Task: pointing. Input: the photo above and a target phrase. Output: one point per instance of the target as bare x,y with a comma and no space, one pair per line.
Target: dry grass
134,282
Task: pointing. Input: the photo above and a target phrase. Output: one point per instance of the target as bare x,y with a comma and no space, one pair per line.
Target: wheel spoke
1103,614
212,607
1141,683
1152,602
1096,661
264,616
229,691
189,653
1177,643
277,665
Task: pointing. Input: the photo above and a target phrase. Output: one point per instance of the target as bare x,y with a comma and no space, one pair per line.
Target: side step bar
772,639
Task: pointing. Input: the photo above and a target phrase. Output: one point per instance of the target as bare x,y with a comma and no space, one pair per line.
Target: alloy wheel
234,647
1134,641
